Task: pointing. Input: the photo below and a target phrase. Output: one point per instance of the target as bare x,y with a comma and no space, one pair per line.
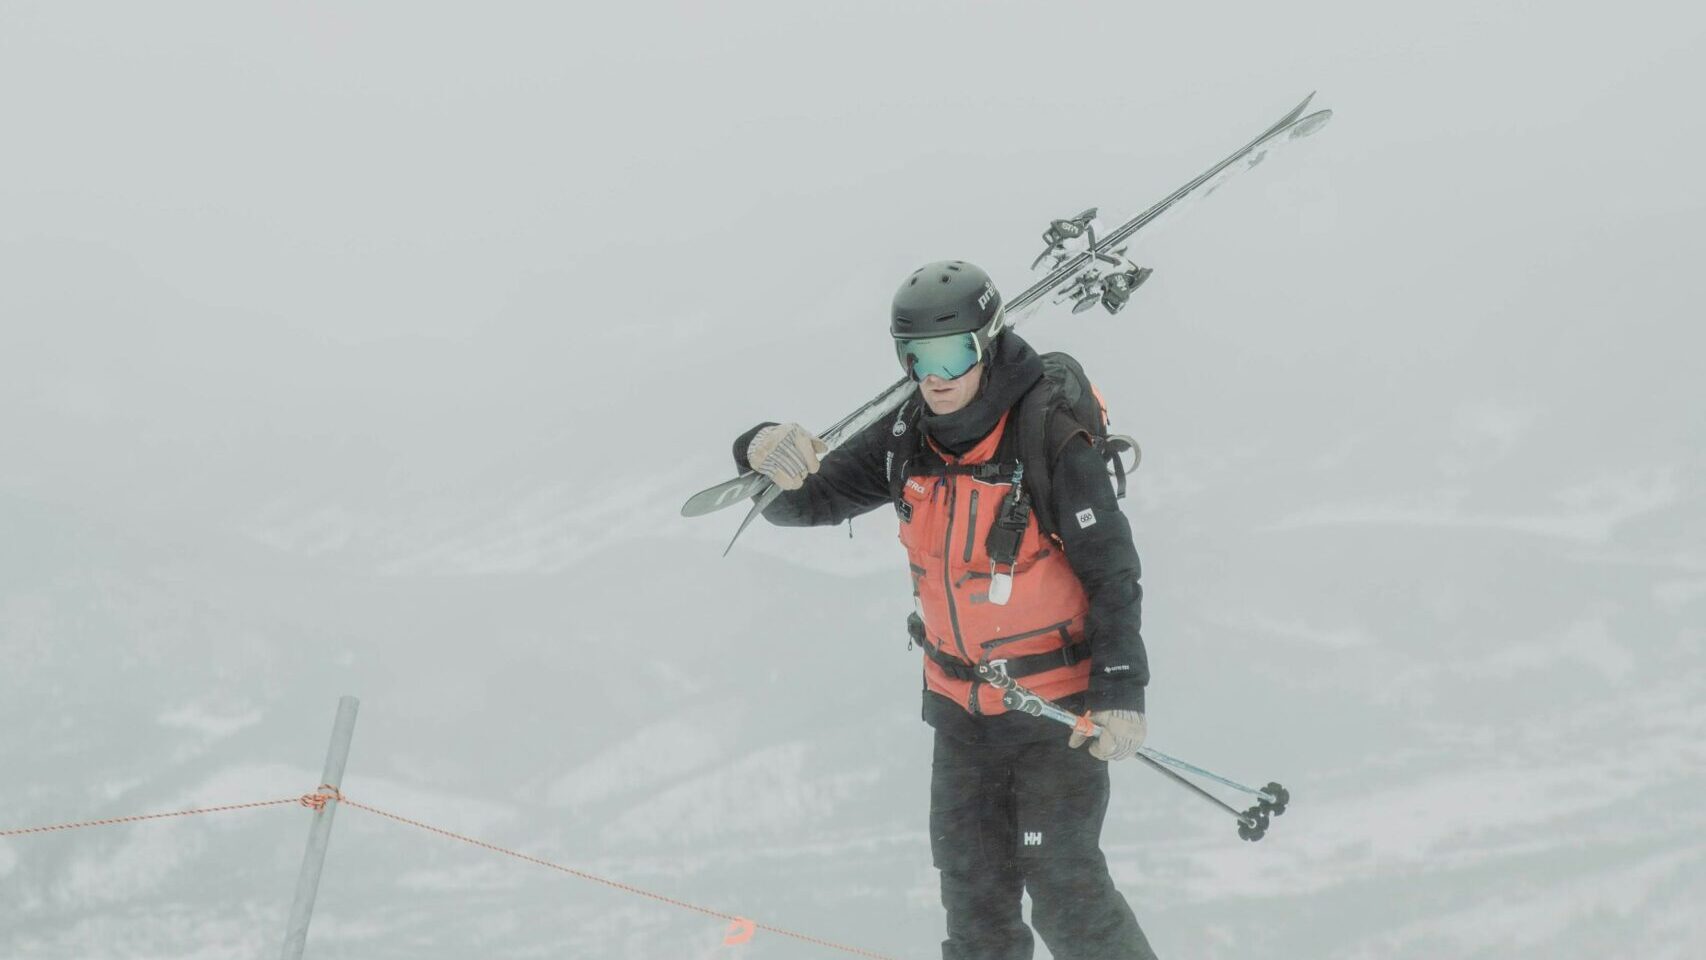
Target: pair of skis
1096,272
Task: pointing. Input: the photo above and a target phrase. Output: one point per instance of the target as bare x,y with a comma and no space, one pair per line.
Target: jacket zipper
990,645
948,586
971,526
980,575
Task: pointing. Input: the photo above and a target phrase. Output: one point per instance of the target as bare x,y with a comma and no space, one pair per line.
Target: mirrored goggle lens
946,357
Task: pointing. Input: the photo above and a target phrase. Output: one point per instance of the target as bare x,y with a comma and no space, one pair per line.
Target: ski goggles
948,357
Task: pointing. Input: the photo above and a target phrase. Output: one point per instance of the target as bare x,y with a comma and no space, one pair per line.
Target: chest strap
994,471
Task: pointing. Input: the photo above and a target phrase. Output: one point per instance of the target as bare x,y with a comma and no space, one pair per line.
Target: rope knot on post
317,801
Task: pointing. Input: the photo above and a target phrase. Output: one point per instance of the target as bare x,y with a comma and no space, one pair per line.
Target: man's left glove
787,453
1122,734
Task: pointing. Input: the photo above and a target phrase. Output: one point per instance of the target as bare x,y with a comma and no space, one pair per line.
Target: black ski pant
1007,817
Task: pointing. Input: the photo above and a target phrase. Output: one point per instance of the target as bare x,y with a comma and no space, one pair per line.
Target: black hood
1012,371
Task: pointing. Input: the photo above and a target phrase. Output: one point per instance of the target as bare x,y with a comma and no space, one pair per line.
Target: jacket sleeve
851,479
1097,540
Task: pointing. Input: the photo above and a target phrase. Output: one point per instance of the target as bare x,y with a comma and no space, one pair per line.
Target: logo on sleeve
1086,518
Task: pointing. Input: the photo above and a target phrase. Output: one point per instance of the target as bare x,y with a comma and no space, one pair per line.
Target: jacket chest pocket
980,504
922,516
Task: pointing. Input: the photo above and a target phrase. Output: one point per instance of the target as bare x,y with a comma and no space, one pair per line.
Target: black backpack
1059,407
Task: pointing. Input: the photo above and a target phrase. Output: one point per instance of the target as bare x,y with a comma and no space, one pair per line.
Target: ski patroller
1096,273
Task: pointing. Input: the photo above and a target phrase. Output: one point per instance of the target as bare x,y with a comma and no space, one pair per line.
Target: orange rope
732,918
741,929
317,801
148,816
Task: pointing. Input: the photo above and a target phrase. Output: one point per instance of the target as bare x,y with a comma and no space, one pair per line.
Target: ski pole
1252,823
1199,771
1246,820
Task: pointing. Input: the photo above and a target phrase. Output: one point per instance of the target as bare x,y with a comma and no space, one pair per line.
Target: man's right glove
1122,733
786,453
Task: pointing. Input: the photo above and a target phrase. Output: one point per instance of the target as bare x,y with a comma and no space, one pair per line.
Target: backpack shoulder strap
905,441
1046,426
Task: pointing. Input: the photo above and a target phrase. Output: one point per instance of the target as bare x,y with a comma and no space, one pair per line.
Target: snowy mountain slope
1457,767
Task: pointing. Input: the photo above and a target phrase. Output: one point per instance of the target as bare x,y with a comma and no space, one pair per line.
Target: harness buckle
915,626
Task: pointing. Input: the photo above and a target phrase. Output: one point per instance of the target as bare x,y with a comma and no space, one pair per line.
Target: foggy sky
372,350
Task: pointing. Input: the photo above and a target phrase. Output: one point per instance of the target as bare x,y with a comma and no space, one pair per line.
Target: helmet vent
946,278
913,281
946,316
955,266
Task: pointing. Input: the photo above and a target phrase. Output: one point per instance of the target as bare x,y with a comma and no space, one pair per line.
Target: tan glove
786,453
1122,734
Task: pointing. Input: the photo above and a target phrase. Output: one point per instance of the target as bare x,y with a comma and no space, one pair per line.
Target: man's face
946,396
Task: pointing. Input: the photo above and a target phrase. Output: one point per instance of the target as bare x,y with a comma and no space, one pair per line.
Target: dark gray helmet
950,296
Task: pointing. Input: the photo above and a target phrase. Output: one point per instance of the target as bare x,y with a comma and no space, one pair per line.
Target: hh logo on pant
1033,838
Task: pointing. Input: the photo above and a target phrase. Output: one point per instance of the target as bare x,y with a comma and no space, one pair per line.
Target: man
1015,804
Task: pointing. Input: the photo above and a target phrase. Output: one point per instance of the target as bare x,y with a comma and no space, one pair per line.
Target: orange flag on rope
740,931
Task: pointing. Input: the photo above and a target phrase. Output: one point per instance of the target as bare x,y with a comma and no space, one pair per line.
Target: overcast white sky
371,349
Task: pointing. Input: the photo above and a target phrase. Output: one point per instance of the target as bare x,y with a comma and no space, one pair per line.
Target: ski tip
1311,123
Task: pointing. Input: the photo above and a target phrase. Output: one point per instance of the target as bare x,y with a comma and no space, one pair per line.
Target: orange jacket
949,522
